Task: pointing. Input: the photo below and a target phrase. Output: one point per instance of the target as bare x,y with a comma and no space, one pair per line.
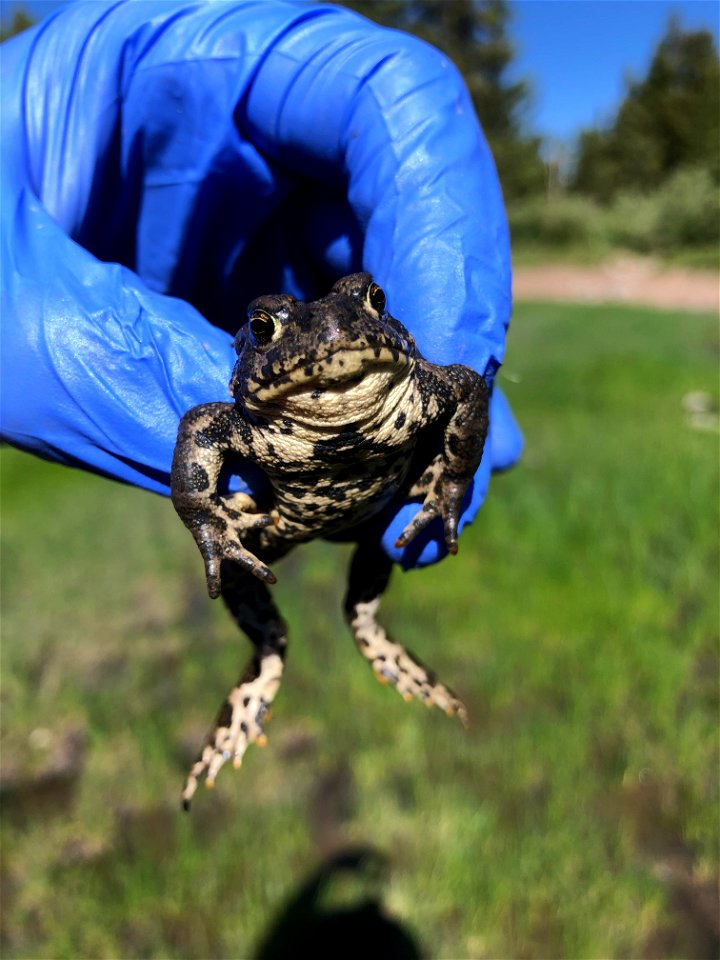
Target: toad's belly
330,501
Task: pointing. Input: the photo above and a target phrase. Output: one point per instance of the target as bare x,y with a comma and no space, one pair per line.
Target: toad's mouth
338,372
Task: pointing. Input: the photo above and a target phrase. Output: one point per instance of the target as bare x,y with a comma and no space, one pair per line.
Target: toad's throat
339,372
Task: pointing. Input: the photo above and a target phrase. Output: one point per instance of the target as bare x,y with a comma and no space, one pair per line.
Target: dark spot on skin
202,439
400,421
297,492
199,479
335,494
340,441
216,522
224,717
453,444
214,435
253,671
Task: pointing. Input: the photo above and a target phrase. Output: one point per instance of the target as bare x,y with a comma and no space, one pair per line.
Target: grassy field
578,818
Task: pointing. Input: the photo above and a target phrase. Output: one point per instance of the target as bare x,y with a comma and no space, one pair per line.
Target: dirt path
624,280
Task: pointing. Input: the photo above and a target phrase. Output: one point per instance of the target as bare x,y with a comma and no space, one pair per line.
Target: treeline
647,182
668,121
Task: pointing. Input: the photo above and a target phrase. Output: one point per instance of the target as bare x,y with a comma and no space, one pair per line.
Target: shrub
559,221
681,215
632,221
688,210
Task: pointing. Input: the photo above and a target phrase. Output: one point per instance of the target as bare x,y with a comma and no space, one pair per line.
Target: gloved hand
165,162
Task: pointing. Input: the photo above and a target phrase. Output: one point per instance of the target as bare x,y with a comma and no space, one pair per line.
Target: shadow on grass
315,923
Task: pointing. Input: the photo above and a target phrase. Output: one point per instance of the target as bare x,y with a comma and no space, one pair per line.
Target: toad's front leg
241,718
392,663
444,483
206,434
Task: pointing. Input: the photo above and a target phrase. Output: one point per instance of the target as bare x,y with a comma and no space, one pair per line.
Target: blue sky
575,53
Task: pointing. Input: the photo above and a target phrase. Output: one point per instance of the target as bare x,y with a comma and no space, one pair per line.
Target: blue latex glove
165,162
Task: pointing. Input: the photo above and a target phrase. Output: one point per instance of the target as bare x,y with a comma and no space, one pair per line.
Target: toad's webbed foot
239,723
391,662
242,715
443,497
217,547
394,664
217,529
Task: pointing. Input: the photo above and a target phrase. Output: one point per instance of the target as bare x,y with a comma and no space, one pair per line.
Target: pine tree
20,21
668,121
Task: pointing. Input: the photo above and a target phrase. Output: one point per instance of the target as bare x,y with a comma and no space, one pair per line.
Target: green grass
577,818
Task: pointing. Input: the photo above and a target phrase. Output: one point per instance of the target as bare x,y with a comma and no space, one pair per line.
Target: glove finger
150,159
102,368
227,110
506,439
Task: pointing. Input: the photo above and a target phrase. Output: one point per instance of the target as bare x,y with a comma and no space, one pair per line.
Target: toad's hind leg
392,663
240,720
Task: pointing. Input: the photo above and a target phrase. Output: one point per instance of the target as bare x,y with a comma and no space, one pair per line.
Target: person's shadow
338,912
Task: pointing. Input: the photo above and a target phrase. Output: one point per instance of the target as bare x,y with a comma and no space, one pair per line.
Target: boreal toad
347,420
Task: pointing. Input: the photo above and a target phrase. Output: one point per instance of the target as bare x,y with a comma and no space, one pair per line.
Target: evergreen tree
20,21
668,121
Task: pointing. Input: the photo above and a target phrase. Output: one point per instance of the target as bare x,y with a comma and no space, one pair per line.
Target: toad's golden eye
262,327
376,298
